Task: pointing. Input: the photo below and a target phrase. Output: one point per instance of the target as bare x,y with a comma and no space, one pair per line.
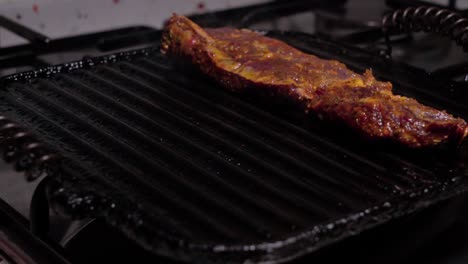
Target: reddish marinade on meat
241,59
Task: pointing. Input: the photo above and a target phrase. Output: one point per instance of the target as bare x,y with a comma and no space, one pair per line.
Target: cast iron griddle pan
196,173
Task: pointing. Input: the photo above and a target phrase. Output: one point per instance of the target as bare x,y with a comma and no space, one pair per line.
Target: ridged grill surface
188,169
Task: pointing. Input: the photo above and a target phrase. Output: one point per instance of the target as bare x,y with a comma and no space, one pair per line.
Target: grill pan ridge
193,172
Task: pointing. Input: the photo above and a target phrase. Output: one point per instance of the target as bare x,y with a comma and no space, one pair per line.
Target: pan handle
428,19
25,32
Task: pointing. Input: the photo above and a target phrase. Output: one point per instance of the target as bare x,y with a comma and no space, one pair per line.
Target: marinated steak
241,59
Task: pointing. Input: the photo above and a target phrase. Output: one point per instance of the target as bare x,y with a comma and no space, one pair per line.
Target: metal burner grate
193,172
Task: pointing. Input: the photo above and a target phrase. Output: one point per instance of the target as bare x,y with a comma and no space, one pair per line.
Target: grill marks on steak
242,59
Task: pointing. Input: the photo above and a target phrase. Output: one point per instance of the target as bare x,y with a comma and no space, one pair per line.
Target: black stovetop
440,240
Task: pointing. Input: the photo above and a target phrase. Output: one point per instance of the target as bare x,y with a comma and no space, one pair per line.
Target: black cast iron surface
193,172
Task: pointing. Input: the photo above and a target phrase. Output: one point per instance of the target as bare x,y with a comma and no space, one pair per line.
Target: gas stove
352,23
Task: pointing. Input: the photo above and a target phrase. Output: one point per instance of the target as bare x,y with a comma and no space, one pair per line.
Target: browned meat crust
242,59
